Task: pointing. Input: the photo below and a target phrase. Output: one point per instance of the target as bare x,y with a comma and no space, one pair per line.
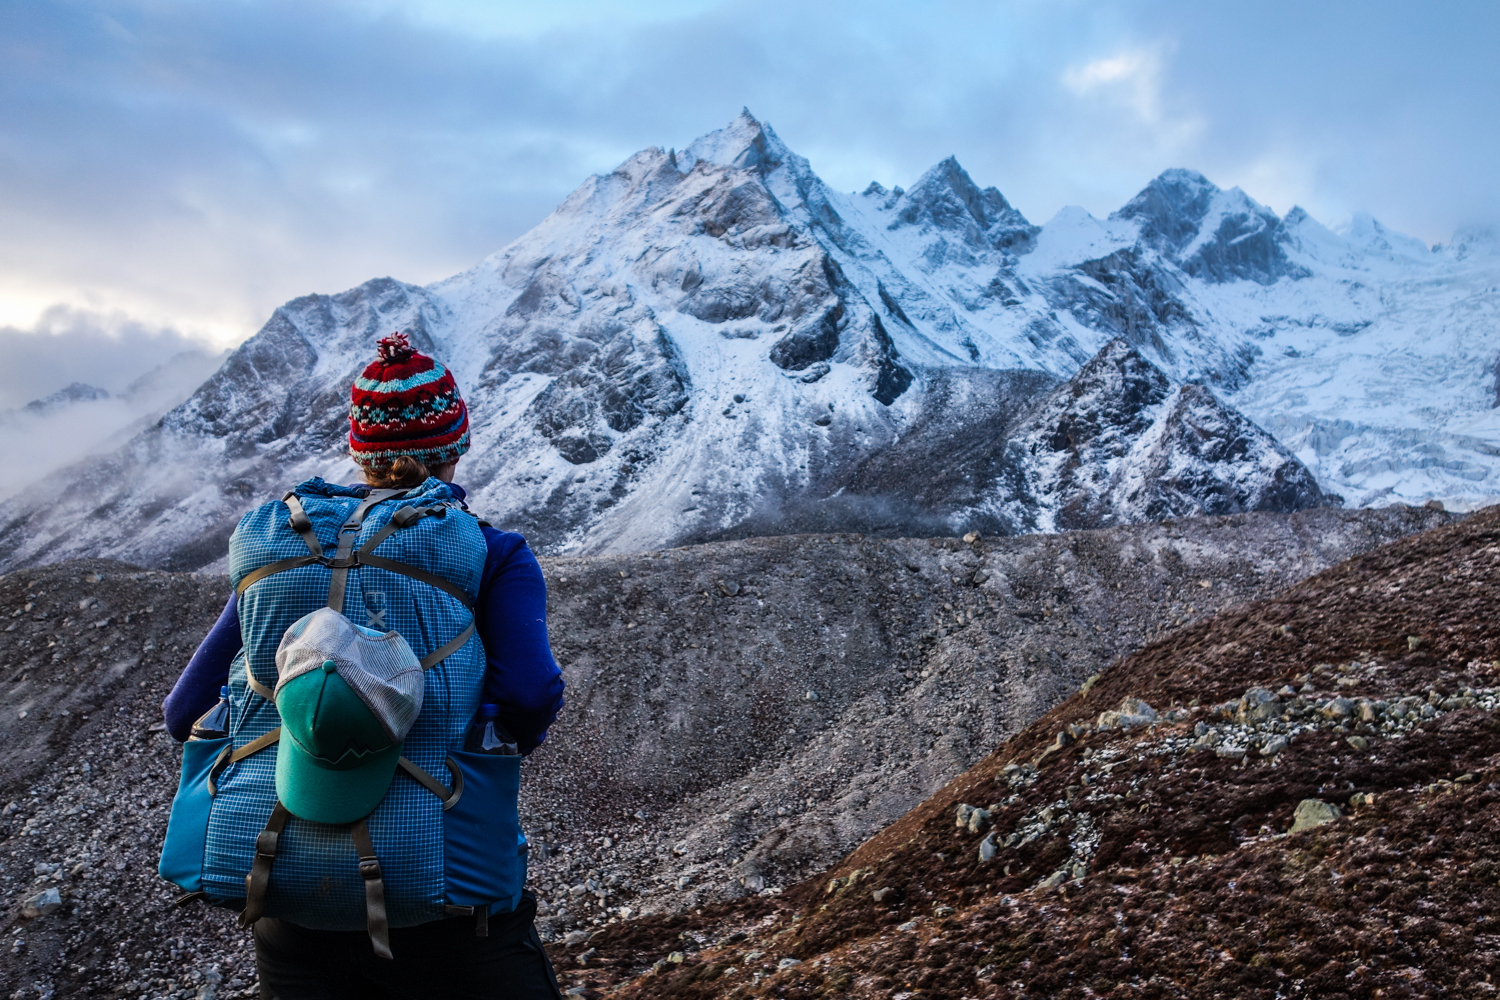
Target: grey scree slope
697,717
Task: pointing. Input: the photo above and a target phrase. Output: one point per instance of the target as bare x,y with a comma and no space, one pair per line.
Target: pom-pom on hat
405,403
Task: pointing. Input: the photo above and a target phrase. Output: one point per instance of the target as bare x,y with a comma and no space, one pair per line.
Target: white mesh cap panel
382,669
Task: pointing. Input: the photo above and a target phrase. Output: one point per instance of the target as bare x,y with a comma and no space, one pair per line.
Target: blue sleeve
197,689
521,676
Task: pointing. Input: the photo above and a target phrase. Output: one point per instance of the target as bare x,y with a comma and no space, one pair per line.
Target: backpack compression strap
345,558
229,756
259,879
416,772
260,872
376,923
302,525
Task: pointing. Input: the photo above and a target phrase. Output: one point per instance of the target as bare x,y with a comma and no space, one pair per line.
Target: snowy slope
711,342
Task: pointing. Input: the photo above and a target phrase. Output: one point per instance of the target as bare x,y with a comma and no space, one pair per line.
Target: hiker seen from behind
355,722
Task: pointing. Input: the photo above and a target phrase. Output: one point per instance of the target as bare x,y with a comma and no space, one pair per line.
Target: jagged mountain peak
1119,442
746,143
1217,234
1171,206
1183,179
711,342
946,197
1367,233
1469,244
1119,369
76,392
1171,209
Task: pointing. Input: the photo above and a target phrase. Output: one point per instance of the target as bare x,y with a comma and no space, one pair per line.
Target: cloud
33,445
205,162
67,345
1132,78
146,370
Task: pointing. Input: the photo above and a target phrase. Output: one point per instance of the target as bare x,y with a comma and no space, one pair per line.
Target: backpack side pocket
480,867
187,827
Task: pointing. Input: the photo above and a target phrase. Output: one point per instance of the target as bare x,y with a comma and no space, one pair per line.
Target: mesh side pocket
187,827
481,864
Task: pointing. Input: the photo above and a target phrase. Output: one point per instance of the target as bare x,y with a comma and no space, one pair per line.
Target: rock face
1119,443
711,343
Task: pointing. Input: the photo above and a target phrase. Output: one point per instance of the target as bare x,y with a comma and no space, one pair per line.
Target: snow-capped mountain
75,392
712,342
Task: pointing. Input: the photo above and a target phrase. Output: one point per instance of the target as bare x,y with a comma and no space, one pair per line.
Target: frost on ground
711,343
740,715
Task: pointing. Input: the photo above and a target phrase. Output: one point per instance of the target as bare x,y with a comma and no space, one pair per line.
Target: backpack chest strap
348,535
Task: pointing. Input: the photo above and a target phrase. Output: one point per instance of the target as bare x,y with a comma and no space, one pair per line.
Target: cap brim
315,792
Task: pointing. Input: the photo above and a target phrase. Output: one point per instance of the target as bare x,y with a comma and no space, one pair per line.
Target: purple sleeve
521,677
197,690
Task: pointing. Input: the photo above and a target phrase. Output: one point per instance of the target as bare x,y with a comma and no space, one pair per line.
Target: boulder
44,903
1131,713
1313,812
1257,705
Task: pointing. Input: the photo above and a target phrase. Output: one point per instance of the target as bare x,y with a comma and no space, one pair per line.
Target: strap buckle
369,869
265,844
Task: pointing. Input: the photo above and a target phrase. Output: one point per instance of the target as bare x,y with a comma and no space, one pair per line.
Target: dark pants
440,959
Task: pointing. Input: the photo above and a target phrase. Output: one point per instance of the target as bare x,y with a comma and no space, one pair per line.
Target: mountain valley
741,714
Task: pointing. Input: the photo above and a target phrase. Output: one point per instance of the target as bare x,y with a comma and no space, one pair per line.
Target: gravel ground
1299,797
740,715
693,764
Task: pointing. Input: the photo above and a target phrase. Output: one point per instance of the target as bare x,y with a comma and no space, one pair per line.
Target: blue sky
172,170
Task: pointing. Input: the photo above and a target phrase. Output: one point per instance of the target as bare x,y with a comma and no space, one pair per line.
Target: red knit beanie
405,403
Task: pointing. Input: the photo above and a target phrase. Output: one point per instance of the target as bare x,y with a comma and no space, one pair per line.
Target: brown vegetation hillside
1129,850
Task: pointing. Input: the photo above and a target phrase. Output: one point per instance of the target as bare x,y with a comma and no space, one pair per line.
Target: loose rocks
972,818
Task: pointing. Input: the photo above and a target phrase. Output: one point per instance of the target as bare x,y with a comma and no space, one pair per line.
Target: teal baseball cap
347,696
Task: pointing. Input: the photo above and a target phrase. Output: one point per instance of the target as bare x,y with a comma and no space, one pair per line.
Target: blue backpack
446,839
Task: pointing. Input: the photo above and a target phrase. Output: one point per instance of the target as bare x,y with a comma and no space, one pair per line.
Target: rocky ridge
922,655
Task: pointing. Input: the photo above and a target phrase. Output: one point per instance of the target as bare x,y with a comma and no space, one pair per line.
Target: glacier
710,343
